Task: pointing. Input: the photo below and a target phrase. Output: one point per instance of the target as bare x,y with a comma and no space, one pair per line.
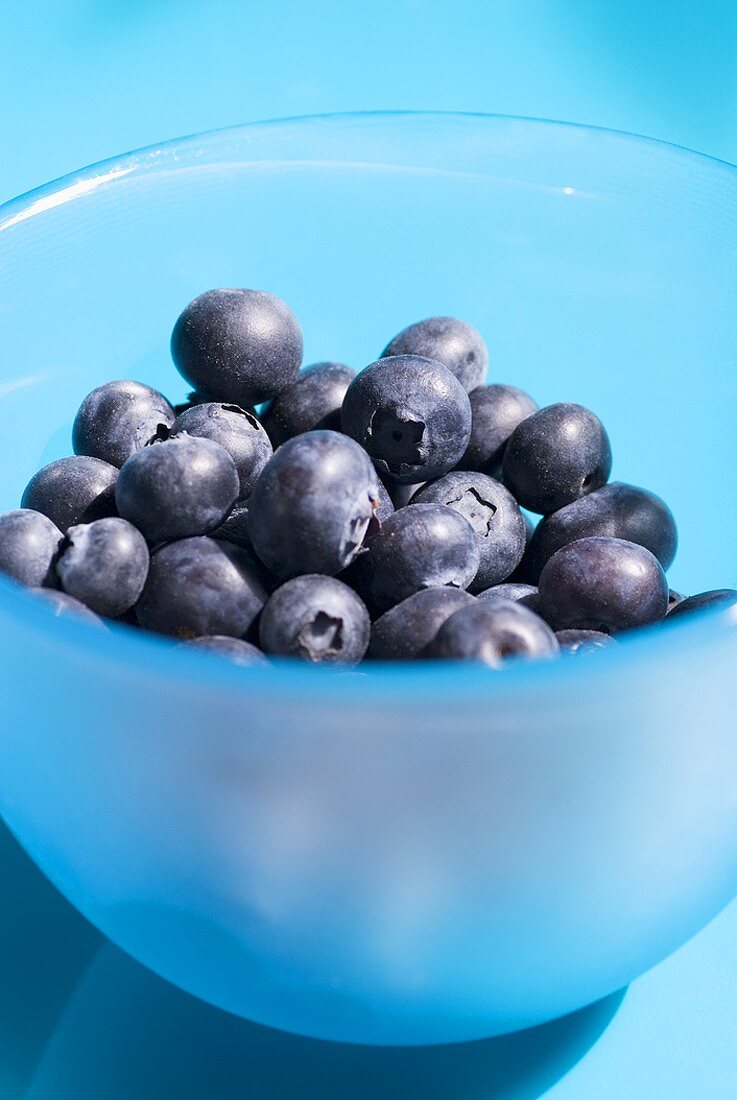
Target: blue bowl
411,854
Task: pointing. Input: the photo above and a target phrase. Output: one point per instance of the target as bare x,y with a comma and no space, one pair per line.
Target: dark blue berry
555,456
29,542
513,590
411,415
311,507
64,606
241,653
312,401
104,565
317,618
495,413
73,490
494,515
455,344
237,430
424,546
243,346
603,584
617,511
492,631
402,633
581,641
200,586
177,489
718,597
118,419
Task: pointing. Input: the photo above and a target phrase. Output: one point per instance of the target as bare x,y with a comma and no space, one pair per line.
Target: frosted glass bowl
414,854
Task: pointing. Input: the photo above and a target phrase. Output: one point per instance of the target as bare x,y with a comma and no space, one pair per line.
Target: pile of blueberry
331,516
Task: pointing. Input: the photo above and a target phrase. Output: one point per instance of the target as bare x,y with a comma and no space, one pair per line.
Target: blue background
84,79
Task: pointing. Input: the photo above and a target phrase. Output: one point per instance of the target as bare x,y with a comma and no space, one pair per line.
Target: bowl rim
704,632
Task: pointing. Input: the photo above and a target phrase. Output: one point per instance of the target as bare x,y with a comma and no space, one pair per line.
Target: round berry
310,509
312,401
73,490
513,590
581,641
718,597
618,511
200,586
29,543
402,633
118,419
104,564
492,631
603,584
243,346
317,618
235,650
237,430
177,489
425,546
411,415
455,344
494,515
64,606
495,413
555,456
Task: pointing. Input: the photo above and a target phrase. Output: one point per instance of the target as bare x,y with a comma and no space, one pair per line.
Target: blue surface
83,79
79,1020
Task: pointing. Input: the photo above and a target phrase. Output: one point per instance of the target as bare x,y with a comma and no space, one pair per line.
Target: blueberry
555,456
200,586
495,413
581,641
104,565
29,542
66,607
234,649
425,546
177,489
237,430
317,618
402,633
618,511
411,415
312,401
718,597
514,590
603,584
494,515
492,631
310,509
73,490
243,346
118,419
455,344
